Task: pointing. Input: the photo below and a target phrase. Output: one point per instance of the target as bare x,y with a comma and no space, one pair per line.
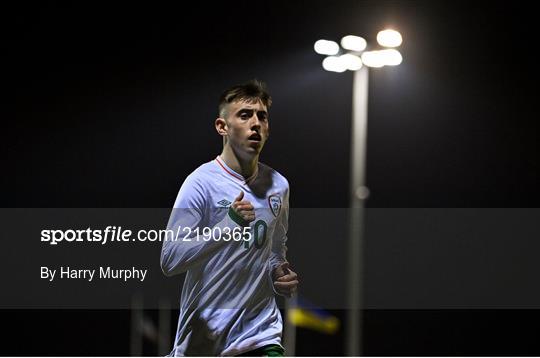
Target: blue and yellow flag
307,316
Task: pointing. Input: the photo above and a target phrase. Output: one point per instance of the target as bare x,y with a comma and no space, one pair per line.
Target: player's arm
191,247
284,280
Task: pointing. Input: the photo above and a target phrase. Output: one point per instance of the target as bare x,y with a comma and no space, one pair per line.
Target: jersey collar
234,174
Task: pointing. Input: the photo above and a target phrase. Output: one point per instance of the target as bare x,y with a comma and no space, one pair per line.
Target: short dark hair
250,91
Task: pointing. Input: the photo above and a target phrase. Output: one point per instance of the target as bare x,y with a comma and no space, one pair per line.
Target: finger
281,270
288,277
244,209
239,205
286,285
240,196
278,272
235,205
246,204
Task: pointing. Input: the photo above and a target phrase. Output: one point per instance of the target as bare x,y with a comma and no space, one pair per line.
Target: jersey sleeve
279,239
184,251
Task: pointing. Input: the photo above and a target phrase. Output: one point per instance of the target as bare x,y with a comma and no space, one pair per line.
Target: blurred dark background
112,105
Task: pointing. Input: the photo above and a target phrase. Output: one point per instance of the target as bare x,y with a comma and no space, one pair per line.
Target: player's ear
221,126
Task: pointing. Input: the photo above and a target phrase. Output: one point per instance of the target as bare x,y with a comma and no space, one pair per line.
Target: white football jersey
228,305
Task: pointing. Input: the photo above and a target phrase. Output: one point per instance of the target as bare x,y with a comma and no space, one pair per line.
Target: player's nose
255,122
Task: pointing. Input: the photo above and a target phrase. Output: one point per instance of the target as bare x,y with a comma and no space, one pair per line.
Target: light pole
354,57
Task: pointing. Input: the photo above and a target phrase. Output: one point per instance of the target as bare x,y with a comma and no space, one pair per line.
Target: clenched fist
285,280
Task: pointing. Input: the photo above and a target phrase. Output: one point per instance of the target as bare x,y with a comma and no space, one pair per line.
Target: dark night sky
114,105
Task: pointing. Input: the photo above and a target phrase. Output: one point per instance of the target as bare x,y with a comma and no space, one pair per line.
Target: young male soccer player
232,213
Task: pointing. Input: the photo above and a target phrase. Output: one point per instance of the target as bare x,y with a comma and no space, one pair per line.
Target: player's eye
263,116
246,115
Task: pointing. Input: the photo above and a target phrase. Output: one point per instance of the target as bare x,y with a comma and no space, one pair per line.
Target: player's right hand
243,208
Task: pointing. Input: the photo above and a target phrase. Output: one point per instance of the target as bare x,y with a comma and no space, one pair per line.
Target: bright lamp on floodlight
389,38
325,47
391,57
373,59
353,43
351,62
334,64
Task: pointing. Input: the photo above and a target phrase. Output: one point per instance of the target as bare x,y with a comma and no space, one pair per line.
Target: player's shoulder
202,175
204,171
265,169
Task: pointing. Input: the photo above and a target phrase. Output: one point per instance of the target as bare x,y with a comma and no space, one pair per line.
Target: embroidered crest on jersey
274,201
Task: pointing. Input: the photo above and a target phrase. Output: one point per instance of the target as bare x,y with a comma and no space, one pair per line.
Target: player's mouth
255,137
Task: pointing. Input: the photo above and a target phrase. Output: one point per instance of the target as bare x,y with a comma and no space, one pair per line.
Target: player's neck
244,166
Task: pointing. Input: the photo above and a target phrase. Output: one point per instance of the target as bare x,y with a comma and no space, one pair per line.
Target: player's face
247,124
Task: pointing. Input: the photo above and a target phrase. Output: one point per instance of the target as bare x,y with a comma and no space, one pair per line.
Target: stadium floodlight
351,62
334,64
325,47
389,38
354,57
353,43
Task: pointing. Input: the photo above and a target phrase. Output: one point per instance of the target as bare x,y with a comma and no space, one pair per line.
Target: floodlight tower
353,56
